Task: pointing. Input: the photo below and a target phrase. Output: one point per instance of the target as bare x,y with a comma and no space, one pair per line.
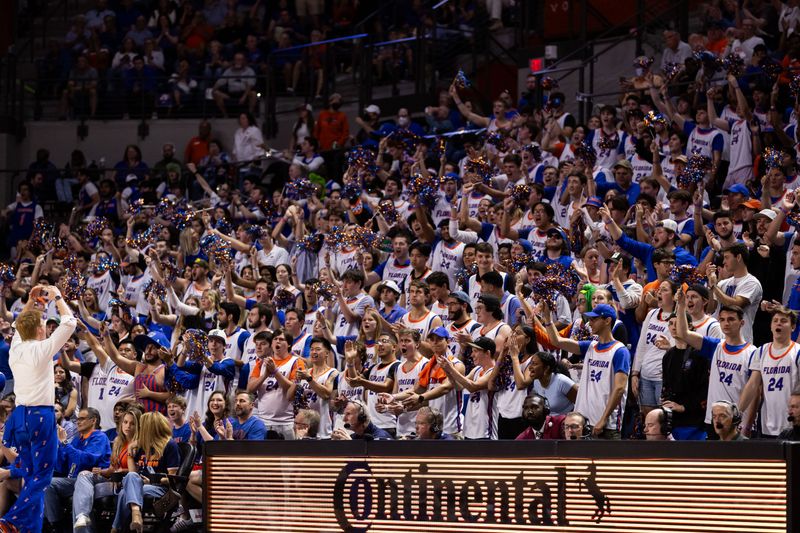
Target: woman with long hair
97,483
368,333
151,457
284,290
66,394
217,413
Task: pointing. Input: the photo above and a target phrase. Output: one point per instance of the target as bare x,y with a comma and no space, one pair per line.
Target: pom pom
643,62
324,290
652,118
170,271
7,275
548,83
695,171
223,226
270,210
195,344
461,81
154,288
711,63
352,189
505,377
687,274
42,235
145,238
95,228
793,218
556,279
284,299
462,275
585,152
311,243
773,158
672,71
581,332
362,159
136,207
299,189
535,150
498,139
73,284
104,264
734,64
217,249
794,86
771,69
409,139
608,142
425,189
388,211
520,192
300,401
481,167
520,261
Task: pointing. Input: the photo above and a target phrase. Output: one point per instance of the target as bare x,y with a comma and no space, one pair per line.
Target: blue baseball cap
462,297
452,176
602,311
594,201
737,188
526,245
440,332
154,337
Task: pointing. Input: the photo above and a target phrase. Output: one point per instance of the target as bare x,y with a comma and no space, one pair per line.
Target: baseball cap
219,333
484,343
440,332
752,203
669,225
372,108
389,284
153,337
623,163
452,176
462,297
131,177
55,319
557,232
768,213
737,188
602,311
682,158
200,262
594,201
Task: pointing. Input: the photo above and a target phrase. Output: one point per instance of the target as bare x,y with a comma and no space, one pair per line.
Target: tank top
405,380
320,405
479,422
151,382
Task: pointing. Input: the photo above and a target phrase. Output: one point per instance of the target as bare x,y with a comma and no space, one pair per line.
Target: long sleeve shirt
84,453
32,364
644,252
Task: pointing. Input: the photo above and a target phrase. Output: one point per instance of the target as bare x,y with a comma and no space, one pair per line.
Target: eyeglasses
573,426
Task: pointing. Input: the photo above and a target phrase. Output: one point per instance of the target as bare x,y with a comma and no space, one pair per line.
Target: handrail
317,43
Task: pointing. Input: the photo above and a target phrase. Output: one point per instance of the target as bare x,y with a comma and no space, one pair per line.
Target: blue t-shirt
182,433
252,429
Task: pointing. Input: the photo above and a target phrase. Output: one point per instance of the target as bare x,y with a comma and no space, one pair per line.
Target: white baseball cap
769,213
389,284
669,224
372,108
219,333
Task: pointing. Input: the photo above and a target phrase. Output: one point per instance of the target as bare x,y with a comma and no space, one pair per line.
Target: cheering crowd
512,276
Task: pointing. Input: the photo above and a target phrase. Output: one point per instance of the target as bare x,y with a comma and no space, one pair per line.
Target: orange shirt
331,126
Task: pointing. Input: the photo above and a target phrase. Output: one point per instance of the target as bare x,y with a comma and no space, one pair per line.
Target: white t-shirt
749,287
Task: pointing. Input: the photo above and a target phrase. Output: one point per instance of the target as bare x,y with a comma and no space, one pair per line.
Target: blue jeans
55,495
133,493
33,431
89,487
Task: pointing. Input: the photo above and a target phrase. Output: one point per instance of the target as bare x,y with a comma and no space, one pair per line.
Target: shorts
649,392
741,176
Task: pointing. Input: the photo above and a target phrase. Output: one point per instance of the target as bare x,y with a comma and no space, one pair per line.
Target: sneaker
183,524
82,524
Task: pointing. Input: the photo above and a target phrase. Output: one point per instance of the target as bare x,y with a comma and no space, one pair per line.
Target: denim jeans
89,487
133,492
55,496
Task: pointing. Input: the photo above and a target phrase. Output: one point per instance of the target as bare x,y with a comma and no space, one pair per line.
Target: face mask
402,121
639,71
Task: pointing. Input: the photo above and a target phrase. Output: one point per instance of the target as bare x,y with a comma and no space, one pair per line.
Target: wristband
547,325
58,297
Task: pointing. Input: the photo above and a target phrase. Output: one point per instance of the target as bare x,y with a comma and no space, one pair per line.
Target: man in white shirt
746,41
31,428
741,289
676,51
